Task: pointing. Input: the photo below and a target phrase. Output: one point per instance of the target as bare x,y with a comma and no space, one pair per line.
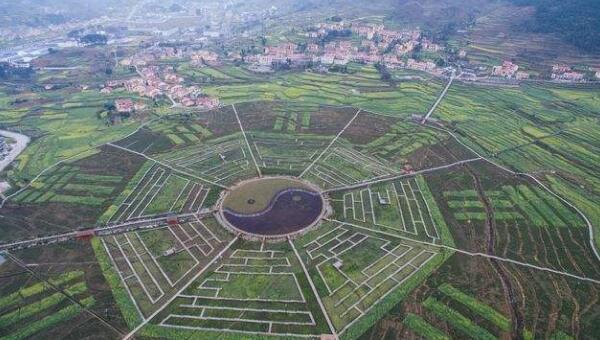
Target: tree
93,39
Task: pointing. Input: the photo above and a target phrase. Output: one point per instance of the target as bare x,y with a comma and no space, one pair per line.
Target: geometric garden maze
318,235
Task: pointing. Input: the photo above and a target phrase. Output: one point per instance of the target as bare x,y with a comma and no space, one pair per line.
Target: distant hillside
41,13
577,21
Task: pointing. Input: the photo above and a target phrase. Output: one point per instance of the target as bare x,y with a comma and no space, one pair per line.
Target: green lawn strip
123,195
278,124
583,200
41,305
476,306
423,328
465,204
66,313
499,203
436,214
31,196
507,215
457,320
98,178
24,196
467,215
291,126
395,296
66,277
526,206
471,194
156,331
276,287
119,292
158,240
541,206
560,335
175,139
306,120
100,190
38,288
85,200
557,206
165,198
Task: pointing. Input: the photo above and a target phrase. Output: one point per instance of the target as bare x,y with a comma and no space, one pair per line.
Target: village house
520,75
327,59
402,49
560,68
420,65
281,50
138,106
393,61
201,58
507,69
571,76
367,31
207,102
124,105
429,46
563,72
313,48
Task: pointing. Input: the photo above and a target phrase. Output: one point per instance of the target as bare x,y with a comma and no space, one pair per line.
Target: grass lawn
261,191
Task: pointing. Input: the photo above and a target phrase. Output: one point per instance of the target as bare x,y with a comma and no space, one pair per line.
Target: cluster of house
126,105
565,73
509,69
377,45
150,55
202,58
150,84
560,72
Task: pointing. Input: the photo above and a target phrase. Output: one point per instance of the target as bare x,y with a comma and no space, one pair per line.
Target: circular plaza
271,207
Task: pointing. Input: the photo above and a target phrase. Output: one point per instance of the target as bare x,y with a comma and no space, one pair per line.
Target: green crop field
37,307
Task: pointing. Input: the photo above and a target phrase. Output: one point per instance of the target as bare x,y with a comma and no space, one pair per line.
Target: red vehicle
172,219
85,235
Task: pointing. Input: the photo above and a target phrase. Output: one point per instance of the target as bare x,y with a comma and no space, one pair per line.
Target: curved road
17,148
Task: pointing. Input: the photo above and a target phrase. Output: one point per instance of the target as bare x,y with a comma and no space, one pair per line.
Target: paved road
109,229
392,177
17,148
437,102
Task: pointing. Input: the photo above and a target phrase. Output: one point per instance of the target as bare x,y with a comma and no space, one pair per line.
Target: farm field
256,289
450,307
402,199
147,267
66,297
237,171
362,90
530,129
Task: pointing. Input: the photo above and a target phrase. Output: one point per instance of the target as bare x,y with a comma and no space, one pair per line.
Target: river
17,148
